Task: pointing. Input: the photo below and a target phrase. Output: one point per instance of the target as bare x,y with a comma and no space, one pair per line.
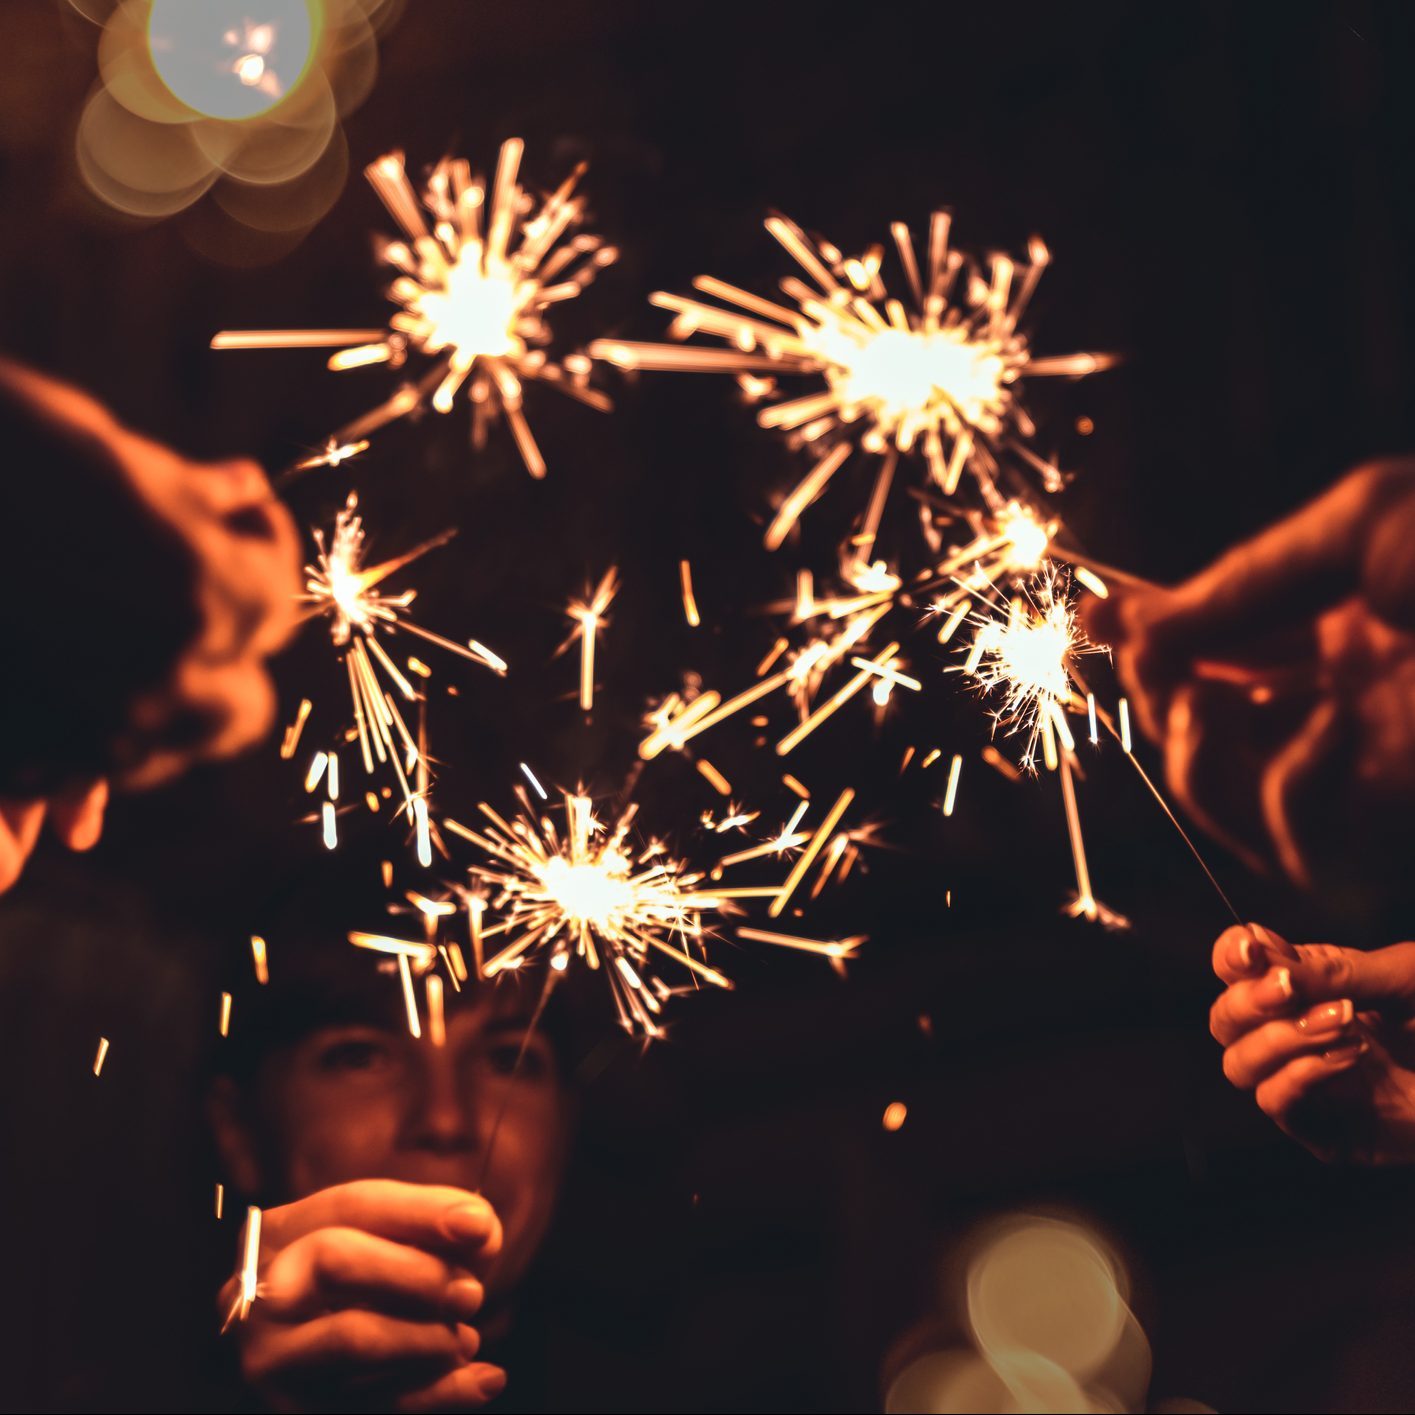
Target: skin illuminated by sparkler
940,375
476,276
579,888
361,614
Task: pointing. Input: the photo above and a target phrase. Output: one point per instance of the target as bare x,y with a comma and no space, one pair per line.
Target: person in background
144,592
1280,683
389,1271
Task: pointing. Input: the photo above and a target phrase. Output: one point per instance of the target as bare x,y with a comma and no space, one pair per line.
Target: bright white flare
575,888
475,278
1025,653
940,375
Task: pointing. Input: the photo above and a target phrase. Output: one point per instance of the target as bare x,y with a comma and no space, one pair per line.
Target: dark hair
317,979
98,597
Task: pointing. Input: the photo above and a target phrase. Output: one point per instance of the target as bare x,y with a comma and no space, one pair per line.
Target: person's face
365,1102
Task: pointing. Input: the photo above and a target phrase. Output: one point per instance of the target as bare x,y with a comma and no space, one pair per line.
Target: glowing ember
475,278
587,615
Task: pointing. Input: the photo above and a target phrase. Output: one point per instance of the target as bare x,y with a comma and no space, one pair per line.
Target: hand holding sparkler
74,817
1325,1038
365,1286
148,591
1280,680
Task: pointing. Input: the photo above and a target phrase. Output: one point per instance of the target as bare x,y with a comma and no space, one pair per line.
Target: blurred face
369,1102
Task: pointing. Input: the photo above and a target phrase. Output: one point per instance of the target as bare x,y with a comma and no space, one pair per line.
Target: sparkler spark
1028,655
475,279
587,615
348,593
941,375
584,889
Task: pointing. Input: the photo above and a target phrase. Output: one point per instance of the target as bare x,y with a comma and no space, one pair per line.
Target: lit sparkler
587,615
476,276
1026,654
940,376
584,889
362,615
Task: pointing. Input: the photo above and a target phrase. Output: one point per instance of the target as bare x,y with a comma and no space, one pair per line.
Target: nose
443,1116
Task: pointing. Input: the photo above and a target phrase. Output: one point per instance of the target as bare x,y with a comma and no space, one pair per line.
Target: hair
318,980
99,595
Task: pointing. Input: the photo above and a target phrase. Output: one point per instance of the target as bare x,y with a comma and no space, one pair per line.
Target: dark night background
1229,195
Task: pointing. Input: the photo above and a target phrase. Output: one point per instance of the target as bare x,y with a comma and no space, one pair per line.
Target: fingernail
465,1297
1275,991
463,1222
1347,1051
1328,1019
1266,938
468,1341
493,1383
1245,950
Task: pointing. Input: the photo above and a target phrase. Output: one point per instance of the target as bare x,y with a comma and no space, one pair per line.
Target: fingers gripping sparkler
475,278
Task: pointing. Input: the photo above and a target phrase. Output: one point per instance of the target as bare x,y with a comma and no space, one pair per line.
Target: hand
76,817
1281,681
1325,1038
365,1298
150,590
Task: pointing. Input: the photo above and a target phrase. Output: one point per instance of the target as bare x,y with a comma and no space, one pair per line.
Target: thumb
1382,978
20,823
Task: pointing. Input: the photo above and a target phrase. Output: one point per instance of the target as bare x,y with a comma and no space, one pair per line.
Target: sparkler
1010,545
585,889
1031,656
1026,655
587,615
941,375
361,614
475,278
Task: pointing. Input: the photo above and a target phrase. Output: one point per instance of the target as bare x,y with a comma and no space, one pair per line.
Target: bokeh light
233,59
946,1383
242,98
1041,1322
1049,1289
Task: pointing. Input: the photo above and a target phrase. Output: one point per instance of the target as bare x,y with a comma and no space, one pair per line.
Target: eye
355,1055
502,1055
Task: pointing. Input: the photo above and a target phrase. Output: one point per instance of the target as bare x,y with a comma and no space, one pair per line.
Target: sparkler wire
551,977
